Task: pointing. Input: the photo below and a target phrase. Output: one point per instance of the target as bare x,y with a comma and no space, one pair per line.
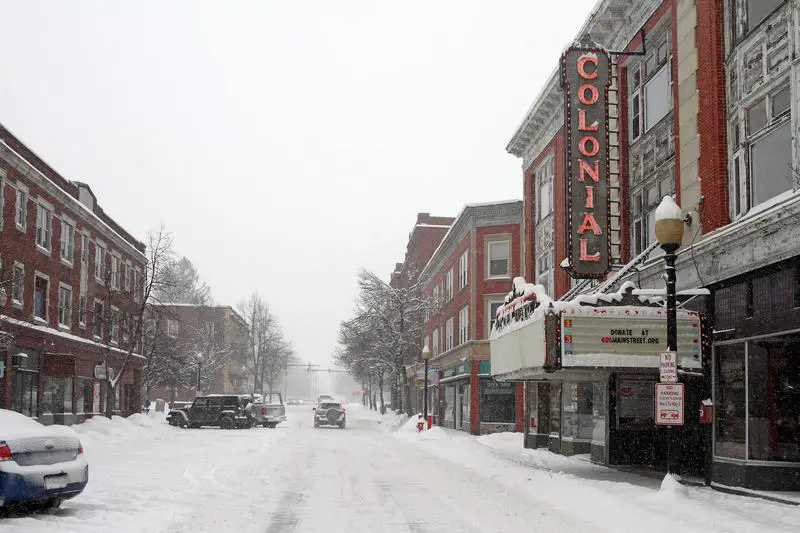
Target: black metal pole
425,400
672,325
199,371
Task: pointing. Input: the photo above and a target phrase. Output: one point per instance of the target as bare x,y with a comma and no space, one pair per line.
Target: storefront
756,379
590,367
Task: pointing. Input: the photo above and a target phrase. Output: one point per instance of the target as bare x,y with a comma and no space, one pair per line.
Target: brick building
422,241
467,278
703,104
218,333
59,249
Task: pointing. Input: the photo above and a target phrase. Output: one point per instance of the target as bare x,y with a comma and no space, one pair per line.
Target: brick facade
61,340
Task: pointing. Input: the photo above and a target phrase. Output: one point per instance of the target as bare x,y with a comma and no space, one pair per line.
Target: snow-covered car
177,414
39,464
267,410
330,414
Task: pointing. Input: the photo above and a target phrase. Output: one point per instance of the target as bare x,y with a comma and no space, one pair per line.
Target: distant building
422,241
58,248
468,276
209,341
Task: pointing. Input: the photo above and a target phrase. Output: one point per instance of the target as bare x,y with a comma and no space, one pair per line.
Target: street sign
669,404
668,367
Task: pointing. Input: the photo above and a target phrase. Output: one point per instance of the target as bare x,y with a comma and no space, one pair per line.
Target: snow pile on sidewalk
358,415
613,500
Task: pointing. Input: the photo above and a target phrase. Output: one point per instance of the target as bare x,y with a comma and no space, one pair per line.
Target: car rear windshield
331,406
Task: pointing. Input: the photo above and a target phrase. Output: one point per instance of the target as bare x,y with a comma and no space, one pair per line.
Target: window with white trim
21,214
747,15
761,152
497,259
650,87
65,306
44,227
544,189
127,277
116,263
448,335
40,296
84,248
137,285
172,328
67,241
18,285
435,297
493,306
463,325
98,319
463,270
82,310
435,346
645,200
449,284
99,262
114,325
544,272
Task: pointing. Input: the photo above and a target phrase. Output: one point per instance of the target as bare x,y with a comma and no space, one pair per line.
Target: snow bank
671,487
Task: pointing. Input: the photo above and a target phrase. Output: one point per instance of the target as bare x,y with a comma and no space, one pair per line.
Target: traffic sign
668,367
669,404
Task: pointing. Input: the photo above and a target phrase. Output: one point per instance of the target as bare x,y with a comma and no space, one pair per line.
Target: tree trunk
380,391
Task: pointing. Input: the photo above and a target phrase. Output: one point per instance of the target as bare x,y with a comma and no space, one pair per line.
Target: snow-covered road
367,478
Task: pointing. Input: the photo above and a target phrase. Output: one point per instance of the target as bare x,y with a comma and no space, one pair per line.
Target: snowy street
370,477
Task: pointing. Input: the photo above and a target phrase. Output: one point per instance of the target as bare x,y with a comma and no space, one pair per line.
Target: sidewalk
614,499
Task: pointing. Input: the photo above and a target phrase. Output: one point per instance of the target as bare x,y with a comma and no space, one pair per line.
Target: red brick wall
474,398
676,121
519,407
713,165
560,221
529,204
461,297
486,286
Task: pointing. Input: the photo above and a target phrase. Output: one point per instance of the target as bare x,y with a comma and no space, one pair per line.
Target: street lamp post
426,355
669,233
199,358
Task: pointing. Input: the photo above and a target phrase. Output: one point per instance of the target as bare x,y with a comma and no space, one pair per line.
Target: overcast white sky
285,144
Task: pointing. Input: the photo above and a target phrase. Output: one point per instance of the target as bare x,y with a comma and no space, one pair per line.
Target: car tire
341,426
265,424
227,423
182,423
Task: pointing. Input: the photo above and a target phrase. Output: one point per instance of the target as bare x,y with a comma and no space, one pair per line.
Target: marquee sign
585,78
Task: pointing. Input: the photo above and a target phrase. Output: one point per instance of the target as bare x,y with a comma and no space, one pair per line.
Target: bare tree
269,352
119,316
182,284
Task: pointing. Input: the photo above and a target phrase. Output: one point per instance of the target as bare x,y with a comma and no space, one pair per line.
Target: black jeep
223,410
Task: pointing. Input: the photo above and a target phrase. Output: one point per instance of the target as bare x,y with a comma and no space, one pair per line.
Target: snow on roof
668,209
432,225
63,334
76,202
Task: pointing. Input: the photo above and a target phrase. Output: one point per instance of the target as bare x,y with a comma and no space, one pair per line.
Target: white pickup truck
267,409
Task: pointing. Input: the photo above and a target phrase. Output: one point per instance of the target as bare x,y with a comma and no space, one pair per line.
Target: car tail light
264,411
5,452
80,448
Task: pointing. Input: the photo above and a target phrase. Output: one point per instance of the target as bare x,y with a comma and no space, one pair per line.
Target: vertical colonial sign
585,78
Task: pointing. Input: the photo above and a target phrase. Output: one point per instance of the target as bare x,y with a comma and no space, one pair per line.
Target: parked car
223,410
39,464
176,415
330,414
266,409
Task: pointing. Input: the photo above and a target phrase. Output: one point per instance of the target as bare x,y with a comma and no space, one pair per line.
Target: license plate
55,482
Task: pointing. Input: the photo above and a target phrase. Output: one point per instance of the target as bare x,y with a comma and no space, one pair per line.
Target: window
82,310
127,277
22,209
544,189
435,347
65,306
172,328
436,303
449,284
115,268
84,248
645,200
730,398
463,269
498,259
56,396
137,285
114,325
544,272
40,297
497,401
754,11
99,262
97,320
18,285
67,241
494,305
657,97
44,226
448,335
463,325
761,152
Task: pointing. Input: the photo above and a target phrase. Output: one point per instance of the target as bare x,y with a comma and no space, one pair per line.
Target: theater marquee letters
585,78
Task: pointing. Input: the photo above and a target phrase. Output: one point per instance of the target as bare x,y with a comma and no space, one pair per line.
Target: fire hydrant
420,423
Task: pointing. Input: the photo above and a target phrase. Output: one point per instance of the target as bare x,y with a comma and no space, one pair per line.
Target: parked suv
329,414
223,410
